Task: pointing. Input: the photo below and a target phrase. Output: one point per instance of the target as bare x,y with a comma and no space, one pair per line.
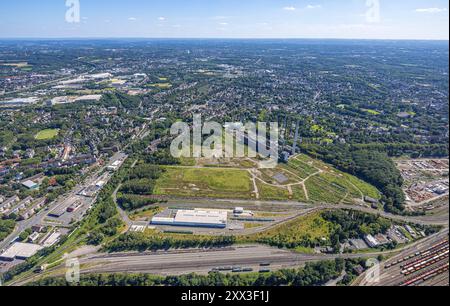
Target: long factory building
194,218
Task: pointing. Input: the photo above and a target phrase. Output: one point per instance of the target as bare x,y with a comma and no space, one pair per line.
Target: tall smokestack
294,147
288,128
285,128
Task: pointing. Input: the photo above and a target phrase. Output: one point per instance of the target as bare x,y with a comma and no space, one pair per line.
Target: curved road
439,219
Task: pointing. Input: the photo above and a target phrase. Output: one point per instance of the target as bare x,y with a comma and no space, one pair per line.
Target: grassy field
252,225
47,134
185,161
269,176
298,194
314,164
205,182
330,185
302,231
161,85
320,190
146,214
366,189
267,192
371,112
323,183
301,169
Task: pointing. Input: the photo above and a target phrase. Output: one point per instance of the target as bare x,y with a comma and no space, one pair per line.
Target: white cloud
161,18
311,6
223,23
289,8
431,10
132,19
220,17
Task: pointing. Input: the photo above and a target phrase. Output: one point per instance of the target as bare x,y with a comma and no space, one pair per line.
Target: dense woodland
371,166
142,242
6,228
138,186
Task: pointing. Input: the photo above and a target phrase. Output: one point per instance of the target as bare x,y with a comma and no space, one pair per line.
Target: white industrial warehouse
194,218
20,250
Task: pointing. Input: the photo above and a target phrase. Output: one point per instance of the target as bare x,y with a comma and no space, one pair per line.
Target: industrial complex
192,218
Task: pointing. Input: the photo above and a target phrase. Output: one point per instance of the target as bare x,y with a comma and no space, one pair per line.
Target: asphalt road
37,219
438,219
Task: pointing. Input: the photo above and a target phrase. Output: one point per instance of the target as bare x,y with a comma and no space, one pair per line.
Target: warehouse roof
201,217
30,184
21,251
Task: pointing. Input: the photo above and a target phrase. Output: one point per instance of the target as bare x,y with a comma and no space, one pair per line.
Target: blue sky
398,19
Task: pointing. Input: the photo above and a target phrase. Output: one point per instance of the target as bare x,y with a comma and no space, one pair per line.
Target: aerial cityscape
218,154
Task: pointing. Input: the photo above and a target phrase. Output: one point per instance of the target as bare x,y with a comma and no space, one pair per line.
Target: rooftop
201,217
21,250
30,184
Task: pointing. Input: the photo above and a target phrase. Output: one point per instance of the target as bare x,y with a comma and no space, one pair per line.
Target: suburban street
40,216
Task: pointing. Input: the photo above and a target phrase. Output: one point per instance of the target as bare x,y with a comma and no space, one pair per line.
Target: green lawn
313,164
267,192
328,186
366,189
319,190
332,185
371,112
298,193
205,182
47,134
303,170
161,85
